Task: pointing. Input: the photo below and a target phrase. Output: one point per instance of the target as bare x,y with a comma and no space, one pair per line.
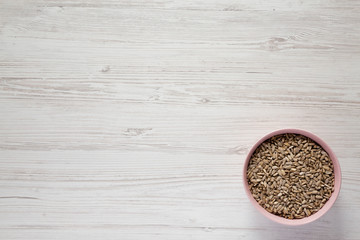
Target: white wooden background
131,119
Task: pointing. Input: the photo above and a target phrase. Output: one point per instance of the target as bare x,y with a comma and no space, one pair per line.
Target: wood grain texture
132,119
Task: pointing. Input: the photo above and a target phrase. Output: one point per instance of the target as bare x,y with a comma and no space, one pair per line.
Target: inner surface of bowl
329,202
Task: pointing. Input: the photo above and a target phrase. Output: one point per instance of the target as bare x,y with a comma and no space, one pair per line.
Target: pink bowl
328,204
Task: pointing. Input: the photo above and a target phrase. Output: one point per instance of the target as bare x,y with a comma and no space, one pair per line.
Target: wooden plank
132,119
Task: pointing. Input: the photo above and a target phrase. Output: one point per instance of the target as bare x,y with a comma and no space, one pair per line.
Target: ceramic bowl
328,204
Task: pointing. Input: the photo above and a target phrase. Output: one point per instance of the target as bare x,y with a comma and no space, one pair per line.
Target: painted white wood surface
131,119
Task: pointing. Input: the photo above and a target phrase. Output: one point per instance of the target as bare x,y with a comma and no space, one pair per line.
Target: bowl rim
328,204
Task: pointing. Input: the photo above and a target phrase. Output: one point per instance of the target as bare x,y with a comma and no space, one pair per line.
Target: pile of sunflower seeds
291,176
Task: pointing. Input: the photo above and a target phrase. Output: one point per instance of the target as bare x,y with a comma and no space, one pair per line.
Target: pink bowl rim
328,204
